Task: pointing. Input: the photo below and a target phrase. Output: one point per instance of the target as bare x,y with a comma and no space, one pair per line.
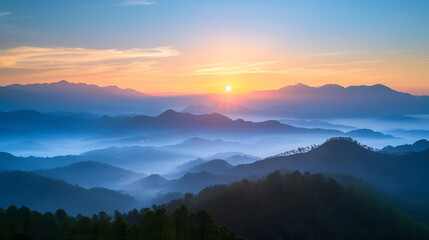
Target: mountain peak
169,113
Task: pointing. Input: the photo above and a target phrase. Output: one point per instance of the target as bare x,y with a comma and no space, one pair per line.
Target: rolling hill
46,194
90,174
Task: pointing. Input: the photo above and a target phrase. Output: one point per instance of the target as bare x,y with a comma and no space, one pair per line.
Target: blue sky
278,28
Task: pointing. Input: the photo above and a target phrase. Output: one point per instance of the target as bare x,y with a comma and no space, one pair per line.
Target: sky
201,46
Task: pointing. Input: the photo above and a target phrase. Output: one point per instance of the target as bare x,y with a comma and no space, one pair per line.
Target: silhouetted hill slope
65,96
217,166
65,88
336,101
11,162
46,194
368,133
90,174
32,122
299,206
189,182
395,174
290,101
73,114
314,123
418,210
234,158
418,146
134,157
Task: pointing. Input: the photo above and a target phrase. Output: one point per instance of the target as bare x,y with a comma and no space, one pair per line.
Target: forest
302,206
150,224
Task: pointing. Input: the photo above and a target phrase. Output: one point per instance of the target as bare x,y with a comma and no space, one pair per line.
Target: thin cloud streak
137,3
48,58
4,13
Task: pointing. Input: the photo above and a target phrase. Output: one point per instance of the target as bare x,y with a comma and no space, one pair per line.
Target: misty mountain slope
296,206
32,122
203,147
418,146
216,166
92,174
290,101
367,133
65,96
336,101
314,123
194,182
234,158
395,174
46,194
136,157
11,162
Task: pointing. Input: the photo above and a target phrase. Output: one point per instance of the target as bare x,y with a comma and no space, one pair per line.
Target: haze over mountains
291,101
89,143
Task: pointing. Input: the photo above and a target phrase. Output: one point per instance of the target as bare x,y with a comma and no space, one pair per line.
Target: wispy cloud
4,13
241,68
75,62
44,58
136,3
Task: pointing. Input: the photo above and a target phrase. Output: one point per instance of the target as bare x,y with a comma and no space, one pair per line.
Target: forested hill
296,206
144,224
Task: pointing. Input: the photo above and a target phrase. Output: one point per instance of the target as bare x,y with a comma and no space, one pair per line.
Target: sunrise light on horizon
254,45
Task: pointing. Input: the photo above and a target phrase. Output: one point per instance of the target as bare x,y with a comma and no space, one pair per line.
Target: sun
228,88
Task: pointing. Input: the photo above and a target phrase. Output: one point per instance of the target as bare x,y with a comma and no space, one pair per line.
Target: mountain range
418,146
290,101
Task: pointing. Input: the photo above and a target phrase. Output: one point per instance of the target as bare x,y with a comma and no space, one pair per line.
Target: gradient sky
200,46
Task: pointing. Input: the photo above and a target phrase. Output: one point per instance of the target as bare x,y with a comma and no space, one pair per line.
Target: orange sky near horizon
196,47
205,70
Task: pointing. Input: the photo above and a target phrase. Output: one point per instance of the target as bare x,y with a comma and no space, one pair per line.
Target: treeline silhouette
302,206
145,224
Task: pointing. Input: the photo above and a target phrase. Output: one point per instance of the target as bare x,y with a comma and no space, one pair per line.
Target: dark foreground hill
296,206
46,194
144,224
399,175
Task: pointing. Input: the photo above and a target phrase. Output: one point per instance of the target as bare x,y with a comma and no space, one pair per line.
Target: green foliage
302,206
144,224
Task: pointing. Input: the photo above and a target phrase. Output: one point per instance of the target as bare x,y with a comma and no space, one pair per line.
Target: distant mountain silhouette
398,118
207,145
418,146
32,122
65,88
335,101
216,166
316,124
46,194
368,133
190,182
234,158
90,174
73,114
72,97
290,101
131,157
135,157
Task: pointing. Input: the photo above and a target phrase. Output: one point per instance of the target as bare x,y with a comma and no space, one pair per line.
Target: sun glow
228,88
